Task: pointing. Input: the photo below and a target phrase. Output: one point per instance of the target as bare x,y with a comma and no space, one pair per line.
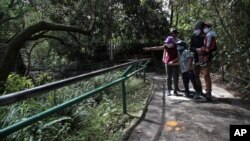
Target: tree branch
49,37
6,19
18,41
222,21
75,38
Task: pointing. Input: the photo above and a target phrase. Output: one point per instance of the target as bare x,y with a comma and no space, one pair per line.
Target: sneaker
196,95
178,90
203,95
209,96
175,92
168,93
187,95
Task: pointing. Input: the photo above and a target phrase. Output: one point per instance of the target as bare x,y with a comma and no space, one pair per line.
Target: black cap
199,25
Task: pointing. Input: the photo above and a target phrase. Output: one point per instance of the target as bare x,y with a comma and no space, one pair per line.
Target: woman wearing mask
171,62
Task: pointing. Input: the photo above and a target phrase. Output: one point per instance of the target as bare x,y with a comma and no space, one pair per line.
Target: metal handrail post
28,121
14,97
124,97
222,73
144,71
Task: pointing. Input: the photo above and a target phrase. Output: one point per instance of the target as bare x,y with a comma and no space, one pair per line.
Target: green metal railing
136,66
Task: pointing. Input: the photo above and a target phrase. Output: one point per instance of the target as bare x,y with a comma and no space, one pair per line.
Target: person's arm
175,61
190,62
192,44
154,48
208,44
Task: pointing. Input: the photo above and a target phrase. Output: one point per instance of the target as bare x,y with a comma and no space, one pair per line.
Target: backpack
213,44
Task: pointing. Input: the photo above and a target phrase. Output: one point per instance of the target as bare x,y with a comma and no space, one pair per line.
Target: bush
16,82
95,118
43,78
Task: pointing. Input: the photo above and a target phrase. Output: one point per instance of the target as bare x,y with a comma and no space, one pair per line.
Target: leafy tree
78,30
34,31
230,20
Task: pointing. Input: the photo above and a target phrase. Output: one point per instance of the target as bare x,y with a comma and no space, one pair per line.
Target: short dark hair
207,24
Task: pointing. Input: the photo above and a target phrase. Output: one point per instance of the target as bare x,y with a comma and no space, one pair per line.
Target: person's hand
146,48
200,50
203,48
207,50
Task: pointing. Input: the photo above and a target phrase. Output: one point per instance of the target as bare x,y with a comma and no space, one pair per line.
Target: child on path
187,69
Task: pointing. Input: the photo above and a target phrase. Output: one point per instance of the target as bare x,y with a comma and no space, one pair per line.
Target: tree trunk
171,12
177,18
8,59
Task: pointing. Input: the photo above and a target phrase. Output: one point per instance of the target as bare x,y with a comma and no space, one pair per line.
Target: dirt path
177,118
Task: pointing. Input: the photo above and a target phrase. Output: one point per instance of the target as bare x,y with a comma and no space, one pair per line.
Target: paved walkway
177,118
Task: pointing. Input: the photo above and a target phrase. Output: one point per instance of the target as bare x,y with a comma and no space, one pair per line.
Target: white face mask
180,48
206,30
170,45
197,32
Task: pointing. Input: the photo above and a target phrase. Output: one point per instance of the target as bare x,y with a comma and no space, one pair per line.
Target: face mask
180,48
197,32
170,45
206,30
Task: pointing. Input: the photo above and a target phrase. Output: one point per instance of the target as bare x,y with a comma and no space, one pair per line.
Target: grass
98,118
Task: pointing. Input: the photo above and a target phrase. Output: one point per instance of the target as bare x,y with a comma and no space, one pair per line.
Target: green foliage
230,21
16,82
93,119
43,78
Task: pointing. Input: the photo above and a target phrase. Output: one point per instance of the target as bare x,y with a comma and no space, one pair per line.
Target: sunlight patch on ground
174,126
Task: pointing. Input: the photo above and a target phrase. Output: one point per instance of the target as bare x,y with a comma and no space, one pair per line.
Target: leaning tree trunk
12,49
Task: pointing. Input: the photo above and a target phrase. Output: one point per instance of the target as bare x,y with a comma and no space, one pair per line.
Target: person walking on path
171,62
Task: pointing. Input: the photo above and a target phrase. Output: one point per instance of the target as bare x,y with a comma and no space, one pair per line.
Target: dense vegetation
97,118
230,19
61,38
52,33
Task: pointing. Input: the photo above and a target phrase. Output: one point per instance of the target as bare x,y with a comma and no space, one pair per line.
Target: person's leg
208,84
175,74
195,86
166,69
169,77
206,58
200,58
197,71
178,74
185,82
194,82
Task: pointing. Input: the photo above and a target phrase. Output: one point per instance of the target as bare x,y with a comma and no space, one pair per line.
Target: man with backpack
203,43
209,45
